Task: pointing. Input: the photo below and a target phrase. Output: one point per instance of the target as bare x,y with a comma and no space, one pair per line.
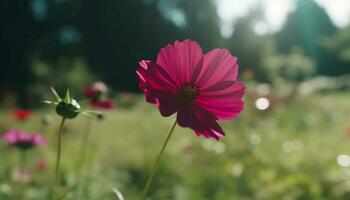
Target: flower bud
68,110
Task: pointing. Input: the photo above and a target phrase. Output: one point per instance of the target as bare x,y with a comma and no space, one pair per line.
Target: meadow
136,61
296,149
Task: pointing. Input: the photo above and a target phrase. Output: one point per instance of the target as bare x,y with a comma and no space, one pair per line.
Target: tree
305,27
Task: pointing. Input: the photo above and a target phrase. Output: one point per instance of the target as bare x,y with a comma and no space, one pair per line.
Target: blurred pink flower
22,140
202,89
105,104
97,94
22,114
95,89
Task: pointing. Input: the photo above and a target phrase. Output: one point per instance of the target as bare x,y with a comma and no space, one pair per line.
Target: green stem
85,141
156,164
59,145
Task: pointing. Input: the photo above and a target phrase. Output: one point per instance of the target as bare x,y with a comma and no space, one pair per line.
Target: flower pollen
189,92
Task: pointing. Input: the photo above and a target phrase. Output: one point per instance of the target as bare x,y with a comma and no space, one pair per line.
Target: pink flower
97,94
104,104
95,89
22,114
200,88
22,140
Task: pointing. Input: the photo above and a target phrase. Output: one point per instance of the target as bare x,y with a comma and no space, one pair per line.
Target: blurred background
44,42
291,142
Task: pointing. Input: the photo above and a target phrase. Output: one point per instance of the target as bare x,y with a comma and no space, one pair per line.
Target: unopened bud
68,110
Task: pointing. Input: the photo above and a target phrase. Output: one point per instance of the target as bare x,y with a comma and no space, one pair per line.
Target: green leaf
67,98
58,98
91,113
49,102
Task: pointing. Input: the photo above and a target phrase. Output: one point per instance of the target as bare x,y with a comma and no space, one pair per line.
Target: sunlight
230,11
338,10
262,103
343,160
275,13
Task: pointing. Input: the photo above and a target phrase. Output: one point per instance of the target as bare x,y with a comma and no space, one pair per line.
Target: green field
286,152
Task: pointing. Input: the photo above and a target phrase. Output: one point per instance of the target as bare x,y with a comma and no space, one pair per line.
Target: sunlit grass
288,151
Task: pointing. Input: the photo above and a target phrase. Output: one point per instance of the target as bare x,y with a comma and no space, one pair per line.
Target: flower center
189,92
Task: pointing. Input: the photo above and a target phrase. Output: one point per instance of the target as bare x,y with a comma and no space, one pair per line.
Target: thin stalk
156,164
85,142
59,147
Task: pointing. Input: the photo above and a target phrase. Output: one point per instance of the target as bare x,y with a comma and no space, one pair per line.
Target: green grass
287,152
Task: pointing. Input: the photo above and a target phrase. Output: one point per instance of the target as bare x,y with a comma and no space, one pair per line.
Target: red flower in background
97,94
22,140
22,114
105,105
200,88
95,90
41,165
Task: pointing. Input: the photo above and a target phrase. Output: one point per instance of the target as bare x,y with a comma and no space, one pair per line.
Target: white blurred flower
263,89
219,147
343,160
208,145
5,188
237,170
254,139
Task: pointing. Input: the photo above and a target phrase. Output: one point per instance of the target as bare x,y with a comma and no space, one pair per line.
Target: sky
275,12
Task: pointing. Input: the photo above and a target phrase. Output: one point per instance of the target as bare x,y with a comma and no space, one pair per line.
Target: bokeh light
262,103
343,160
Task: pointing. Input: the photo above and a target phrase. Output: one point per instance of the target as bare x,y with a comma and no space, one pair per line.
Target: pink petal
11,136
180,60
186,117
167,103
104,104
219,86
154,78
234,89
218,65
149,97
38,140
202,122
159,87
215,132
224,104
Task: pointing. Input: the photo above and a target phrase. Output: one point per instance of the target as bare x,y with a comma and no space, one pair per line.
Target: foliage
105,40
294,66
